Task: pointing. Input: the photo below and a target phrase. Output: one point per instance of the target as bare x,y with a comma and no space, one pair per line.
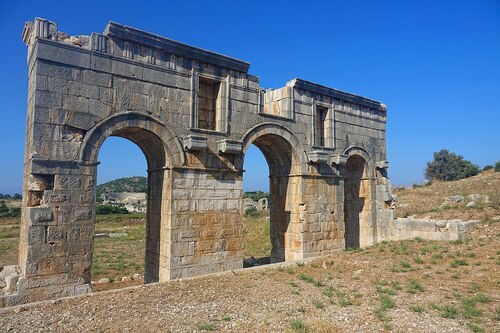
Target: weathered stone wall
146,88
441,230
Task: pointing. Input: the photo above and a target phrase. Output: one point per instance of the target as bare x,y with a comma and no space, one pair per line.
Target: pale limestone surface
440,230
194,114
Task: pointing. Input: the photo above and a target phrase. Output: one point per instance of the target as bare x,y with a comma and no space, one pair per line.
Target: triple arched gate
194,114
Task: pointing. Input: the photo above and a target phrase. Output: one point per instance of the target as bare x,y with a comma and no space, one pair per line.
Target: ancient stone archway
360,226
280,148
193,113
355,196
143,130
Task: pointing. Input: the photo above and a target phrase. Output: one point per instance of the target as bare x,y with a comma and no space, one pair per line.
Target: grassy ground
404,286
9,240
426,201
118,257
256,242
115,258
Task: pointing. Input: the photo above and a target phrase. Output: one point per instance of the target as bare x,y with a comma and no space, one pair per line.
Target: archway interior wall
359,224
284,191
126,76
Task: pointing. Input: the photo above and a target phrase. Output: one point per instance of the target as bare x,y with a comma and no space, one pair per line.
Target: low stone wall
443,230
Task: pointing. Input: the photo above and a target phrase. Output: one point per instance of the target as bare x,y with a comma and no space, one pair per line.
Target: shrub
252,212
3,207
488,167
15,212
497,166
106,209
449,166
9,212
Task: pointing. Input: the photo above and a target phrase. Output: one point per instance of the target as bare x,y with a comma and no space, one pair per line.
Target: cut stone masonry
194,114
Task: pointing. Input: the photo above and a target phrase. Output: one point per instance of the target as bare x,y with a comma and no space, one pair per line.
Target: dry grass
351,291
115,258
426,201
256,240
9,240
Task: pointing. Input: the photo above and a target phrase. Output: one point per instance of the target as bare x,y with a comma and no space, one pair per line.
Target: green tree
3,207
497,166
256,195
449,166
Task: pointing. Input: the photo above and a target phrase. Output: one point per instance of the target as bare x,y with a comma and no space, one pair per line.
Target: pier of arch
193,113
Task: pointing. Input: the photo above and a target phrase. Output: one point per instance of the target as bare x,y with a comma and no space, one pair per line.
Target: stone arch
161,150
285,158
272,130
360,151
358,177
158,143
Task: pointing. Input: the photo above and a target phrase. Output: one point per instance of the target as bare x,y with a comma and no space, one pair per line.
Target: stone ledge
116,30
323,90
447,230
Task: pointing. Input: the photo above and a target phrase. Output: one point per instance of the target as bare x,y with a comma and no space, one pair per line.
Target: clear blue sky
436,64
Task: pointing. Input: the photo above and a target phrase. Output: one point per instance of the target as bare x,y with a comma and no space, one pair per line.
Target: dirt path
409,286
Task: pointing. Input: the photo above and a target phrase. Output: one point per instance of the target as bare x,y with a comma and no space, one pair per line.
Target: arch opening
282,163
356,200
143,227
256,220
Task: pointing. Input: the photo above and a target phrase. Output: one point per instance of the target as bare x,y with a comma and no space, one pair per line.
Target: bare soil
435,287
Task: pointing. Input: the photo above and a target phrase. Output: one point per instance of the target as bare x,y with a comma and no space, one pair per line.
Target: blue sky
436,64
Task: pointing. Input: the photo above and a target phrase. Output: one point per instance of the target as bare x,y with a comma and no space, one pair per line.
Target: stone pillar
157,214
205,225
319,228
57,230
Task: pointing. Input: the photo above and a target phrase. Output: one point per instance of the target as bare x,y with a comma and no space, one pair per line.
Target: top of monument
324,90
46,29
116,30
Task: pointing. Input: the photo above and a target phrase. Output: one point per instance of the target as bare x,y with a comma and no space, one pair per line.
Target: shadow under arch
160,149
281,149
358,175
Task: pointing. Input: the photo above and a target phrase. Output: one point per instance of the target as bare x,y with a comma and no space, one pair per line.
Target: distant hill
127,184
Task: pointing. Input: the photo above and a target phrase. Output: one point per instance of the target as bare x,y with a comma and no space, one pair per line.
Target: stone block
50,69
83,214
82,89
48,99
64,55
97,78
36,235
40,215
